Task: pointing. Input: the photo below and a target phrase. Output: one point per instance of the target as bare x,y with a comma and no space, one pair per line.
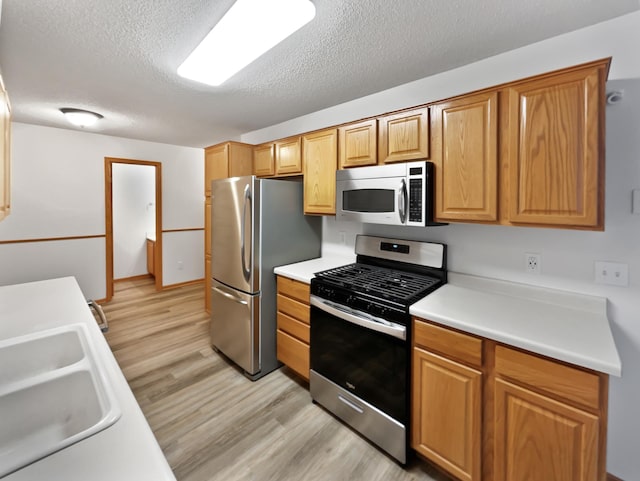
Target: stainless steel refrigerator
257,224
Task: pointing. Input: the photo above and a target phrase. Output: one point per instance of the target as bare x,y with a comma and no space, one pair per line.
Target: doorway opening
150,223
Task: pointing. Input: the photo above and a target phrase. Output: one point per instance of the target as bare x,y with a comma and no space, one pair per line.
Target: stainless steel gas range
360,335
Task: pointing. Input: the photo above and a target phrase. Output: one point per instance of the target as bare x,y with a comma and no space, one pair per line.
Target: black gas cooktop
397,286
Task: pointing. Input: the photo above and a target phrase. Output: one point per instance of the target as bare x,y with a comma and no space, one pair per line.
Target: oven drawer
293,353
453,344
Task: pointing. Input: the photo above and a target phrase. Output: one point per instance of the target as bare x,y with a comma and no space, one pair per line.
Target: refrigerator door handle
231,296
246,272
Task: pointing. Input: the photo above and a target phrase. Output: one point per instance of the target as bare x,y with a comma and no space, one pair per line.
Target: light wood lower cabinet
151,257
293,325
537,437
485,411
447,400
550,419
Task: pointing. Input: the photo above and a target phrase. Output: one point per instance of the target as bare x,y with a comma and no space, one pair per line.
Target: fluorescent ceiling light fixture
81,118
248,29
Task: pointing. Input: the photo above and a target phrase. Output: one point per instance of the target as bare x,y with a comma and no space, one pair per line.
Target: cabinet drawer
291,288
293,353
453,344
294,327
293,308
549,376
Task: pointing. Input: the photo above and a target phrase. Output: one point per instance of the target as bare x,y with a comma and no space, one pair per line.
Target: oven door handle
360,318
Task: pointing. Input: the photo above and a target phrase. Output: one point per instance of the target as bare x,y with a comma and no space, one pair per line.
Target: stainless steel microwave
396,194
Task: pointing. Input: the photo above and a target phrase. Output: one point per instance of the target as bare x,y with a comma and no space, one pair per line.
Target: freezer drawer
235,326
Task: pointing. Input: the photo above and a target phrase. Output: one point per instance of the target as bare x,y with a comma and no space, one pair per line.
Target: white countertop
303,271
126,450
562,325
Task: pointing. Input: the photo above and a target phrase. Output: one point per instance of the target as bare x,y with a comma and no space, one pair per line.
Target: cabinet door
555,151
358,144
465,154
5,152
207,284
263,160
403,136
446,417
539,438
319,159
151,260
288,158
207,226
240,160
216,165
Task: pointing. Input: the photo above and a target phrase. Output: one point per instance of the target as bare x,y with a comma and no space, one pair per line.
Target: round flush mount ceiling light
81,118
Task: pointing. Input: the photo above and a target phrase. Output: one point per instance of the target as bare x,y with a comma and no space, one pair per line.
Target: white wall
567,256
58,191
134,215
184,251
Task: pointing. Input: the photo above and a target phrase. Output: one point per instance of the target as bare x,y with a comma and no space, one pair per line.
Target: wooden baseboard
182,284
611,477
133,278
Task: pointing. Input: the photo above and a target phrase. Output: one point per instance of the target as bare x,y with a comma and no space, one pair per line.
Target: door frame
108,202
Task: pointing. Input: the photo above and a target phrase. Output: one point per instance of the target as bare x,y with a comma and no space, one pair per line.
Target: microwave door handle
402,201
246,269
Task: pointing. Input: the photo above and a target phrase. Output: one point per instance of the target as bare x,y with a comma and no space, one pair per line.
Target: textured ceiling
119,58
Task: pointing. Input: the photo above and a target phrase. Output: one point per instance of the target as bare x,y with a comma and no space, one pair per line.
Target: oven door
366,358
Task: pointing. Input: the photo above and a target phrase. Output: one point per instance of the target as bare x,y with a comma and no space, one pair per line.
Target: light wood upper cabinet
554,149
229,159
320,159
403,136
288,156
5,153
264,160
465,155
358,144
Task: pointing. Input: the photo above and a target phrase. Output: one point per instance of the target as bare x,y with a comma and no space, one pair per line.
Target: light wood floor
212,423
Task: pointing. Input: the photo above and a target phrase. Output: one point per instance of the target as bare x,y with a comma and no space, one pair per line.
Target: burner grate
381,282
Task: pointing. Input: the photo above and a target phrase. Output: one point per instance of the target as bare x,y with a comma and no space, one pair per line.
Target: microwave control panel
416,194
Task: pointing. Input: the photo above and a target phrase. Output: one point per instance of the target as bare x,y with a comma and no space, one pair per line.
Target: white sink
53,393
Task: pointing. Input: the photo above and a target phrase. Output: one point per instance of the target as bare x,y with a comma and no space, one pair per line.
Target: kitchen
568,256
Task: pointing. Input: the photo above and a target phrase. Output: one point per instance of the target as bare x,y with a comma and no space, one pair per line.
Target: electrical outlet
612,273
533,263
180,265
343,237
